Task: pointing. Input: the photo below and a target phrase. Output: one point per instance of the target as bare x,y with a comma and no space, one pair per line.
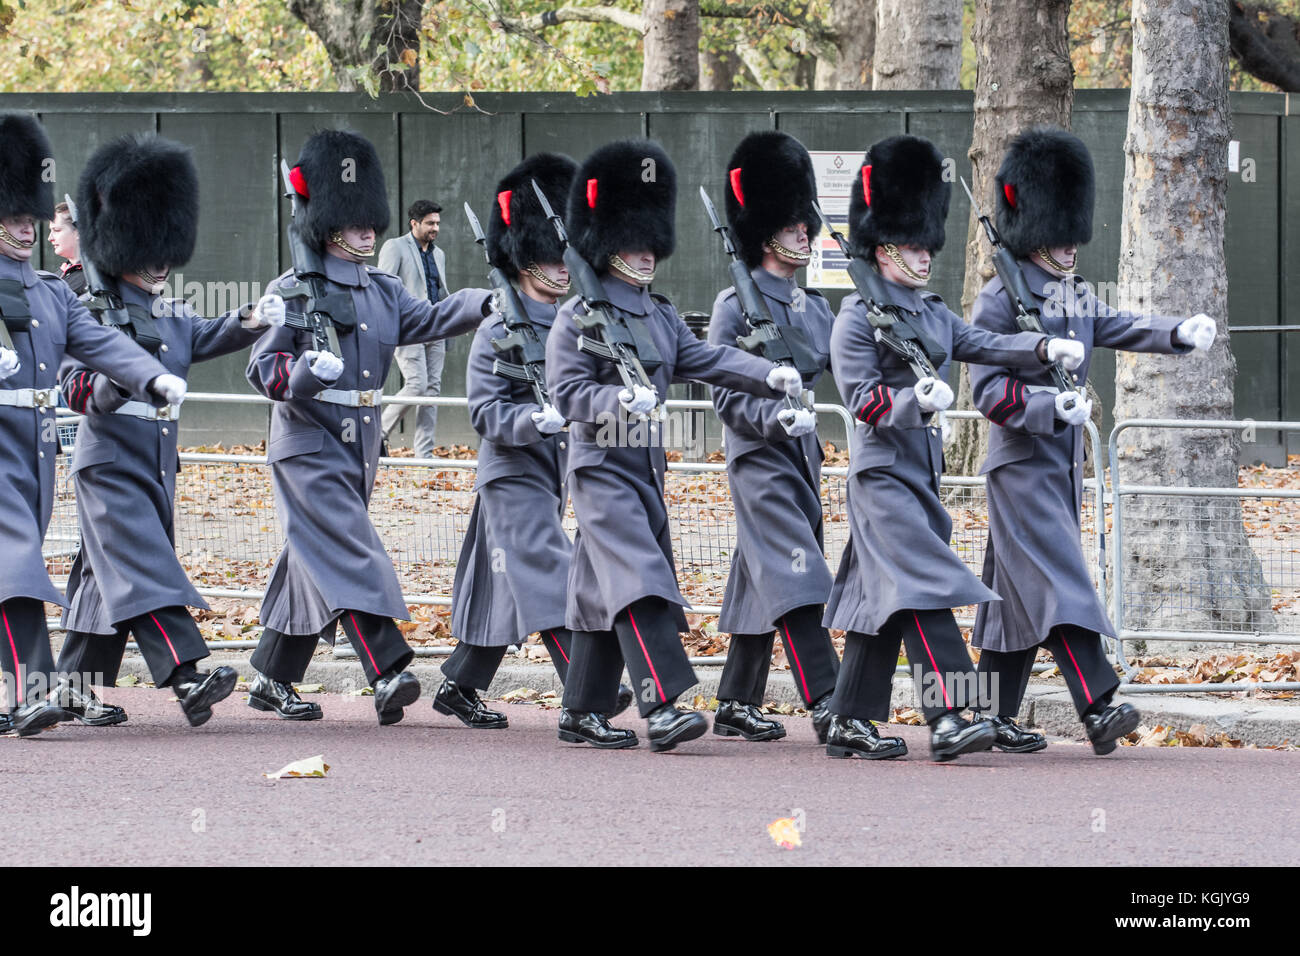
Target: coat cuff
1040,414
105,397
906,413
303,382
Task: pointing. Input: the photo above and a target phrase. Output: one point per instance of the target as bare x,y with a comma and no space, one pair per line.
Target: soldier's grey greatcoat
60,326
775,480
898,556
323,456
1034,468
623,549
124,469
512,575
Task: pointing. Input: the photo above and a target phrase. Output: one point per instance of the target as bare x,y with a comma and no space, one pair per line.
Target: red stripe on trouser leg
1078,670
18,667
165,638
943,684
560,647
789,646
362,639
649,663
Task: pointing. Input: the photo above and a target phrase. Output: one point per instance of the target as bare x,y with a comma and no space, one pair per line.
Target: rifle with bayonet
1028,316
892,329
307,305
104,300
782,344
606,331
522,338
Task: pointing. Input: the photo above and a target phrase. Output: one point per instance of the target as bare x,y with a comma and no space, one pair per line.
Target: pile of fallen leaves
1198,735
1225,668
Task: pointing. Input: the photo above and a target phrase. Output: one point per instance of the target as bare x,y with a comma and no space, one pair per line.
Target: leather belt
168,413
353,399
29,397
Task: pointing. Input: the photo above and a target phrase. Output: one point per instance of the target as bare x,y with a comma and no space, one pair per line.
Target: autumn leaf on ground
308,767
906,715
785,833
130,680
309,688
520,695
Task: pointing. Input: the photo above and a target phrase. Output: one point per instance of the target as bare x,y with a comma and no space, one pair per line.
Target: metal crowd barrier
1258,579
226,528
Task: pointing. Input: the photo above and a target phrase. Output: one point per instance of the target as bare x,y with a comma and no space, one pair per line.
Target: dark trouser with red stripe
25,650
645,637
941,665
808,647
1080,656
475,666
168,638
379,645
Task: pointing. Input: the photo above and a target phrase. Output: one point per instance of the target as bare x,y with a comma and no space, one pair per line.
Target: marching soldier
779,580
1034,467
514,562
325,438
899,578
138,205
41,321
623,602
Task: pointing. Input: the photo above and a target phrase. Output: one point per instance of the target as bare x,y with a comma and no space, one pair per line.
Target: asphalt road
429,791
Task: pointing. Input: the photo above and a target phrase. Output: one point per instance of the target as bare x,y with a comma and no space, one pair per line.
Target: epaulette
46,274
660,297
812,292
926,294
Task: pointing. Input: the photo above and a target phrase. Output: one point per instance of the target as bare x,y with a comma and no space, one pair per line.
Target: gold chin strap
149,277
781,250
1047,257
896,257
336,237
10,239
533,270
616,262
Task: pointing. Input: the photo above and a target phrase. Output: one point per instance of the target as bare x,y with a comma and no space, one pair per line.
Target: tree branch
549,18
1266,44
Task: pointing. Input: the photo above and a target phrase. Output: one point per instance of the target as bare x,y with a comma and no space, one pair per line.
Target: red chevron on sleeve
279,381
77,389
879,401
1013,400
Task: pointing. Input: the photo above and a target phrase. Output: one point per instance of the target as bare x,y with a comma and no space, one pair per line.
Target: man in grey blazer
421,265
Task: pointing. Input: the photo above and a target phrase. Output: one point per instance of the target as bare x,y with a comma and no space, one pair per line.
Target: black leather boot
282,698
1108,725
463,703
589,727
951,735
86,707
821,716
197,692
850,737
1012,738
392,693
5,726
668,726
625,698
29,719
735,718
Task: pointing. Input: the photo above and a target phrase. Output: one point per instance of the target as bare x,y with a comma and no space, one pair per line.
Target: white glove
548,421
1198,331
932,394
639,401
945,428
8,362
1066,351
1079,413
783,378
268,311
169,387
326,366
797,421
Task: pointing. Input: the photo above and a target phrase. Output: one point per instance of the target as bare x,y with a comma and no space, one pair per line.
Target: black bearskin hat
341,181
138,204
518,232
1045,190
623,197
26,188
899,197
770,185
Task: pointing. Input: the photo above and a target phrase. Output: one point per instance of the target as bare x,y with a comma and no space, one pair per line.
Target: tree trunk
352,32
1266,44
1023,76
672,45
718,69
918,45
847,65
1187,563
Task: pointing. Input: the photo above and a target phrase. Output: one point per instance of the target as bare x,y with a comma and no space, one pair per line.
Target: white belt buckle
165,414
366,399
44,397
